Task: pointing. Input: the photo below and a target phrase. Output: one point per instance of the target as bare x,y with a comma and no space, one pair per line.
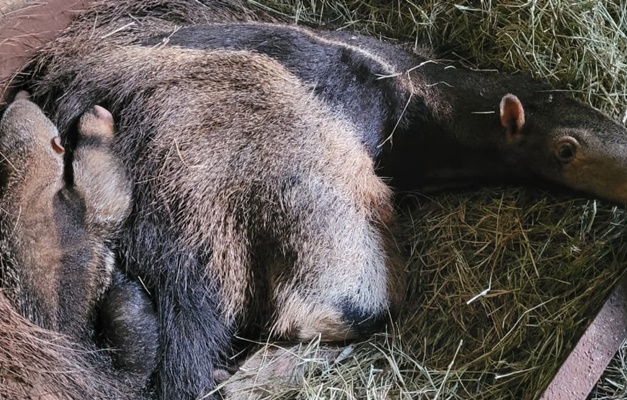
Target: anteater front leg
98,176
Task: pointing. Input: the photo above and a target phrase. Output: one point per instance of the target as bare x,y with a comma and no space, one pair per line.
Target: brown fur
337,220
356,196
99,177
44,218
285,200
37,363
56,264
27,209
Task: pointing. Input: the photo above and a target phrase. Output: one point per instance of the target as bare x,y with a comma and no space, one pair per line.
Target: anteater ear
512,115
56,145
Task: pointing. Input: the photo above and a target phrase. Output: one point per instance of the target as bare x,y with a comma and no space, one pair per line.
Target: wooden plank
26,26
594,350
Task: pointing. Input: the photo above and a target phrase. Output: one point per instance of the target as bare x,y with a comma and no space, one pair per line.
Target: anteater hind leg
347,275
345,281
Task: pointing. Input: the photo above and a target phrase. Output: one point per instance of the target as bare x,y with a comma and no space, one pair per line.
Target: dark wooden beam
594,350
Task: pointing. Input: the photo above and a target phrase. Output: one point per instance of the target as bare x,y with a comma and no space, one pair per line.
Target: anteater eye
566,149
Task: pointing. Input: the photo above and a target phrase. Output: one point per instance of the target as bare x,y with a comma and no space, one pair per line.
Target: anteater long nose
612,182
25,119
22,95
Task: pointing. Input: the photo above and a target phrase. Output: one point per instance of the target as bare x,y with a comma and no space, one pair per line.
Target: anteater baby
57,268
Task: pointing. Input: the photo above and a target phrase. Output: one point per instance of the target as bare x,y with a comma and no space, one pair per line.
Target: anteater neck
450,133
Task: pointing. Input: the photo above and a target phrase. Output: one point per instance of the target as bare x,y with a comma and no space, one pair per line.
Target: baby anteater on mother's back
57,226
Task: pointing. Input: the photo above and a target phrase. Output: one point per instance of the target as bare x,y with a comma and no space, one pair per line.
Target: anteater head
53,233
31,169
29,140
566,142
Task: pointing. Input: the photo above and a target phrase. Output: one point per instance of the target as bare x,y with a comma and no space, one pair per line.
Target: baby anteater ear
512,116
56,145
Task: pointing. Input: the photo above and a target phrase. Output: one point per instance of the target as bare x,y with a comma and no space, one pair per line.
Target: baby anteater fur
57,266
263,158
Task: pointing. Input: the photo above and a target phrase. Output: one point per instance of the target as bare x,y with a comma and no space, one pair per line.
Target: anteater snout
24,119
22,95
27,134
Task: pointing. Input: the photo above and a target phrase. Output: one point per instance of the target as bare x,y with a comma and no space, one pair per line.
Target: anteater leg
98,176
341,277
347,275
193,339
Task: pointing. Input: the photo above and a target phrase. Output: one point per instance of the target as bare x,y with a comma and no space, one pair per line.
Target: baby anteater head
29,144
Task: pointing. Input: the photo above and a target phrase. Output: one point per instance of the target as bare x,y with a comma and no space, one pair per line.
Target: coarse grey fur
241,235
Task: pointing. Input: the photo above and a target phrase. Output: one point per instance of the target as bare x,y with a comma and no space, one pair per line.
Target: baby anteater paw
96,123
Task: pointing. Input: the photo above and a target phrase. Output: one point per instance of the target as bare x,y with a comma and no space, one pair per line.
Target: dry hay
581,44
504,280
613,384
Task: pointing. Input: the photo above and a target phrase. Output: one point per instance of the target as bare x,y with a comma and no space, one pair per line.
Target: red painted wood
27,28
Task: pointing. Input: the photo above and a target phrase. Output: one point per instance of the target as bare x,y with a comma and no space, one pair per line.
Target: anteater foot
97,122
